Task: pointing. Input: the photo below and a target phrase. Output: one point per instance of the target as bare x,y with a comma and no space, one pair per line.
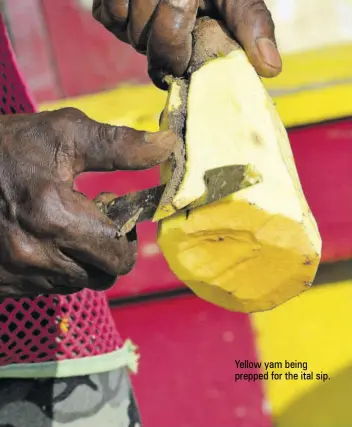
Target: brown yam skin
211,40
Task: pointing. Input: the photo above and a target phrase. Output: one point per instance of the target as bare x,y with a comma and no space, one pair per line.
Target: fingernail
269,53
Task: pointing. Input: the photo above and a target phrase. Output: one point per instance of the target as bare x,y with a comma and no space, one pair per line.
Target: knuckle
49,214
251,14
55,225
259,12
249,9
20,251
113,14
63,123
107,133
189,9
68,114
175,21
117,8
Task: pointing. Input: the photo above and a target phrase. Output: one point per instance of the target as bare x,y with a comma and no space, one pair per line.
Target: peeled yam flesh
260,246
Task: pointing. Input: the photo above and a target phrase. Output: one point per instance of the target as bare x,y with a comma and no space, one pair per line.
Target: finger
22,251
72,274
103,147
139,23
44,268
113,14
109,148
92,240
252,26
17,286
65,227
30,255
170,40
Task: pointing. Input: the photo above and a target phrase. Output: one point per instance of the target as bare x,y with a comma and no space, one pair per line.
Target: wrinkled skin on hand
53,239
162,29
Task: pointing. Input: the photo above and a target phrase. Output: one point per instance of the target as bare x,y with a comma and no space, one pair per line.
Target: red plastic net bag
47,328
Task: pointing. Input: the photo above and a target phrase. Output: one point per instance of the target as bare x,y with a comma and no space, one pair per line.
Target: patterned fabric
98,400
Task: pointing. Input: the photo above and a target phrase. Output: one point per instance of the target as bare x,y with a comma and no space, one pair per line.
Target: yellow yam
260,246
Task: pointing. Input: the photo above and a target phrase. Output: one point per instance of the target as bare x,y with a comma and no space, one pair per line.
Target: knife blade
128,210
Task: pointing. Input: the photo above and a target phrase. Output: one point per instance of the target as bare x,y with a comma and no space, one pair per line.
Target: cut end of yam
260,246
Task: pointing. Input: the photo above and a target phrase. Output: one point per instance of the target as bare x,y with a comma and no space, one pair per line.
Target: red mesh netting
14,95
54,327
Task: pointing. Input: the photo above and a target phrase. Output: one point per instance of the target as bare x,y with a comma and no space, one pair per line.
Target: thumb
252,26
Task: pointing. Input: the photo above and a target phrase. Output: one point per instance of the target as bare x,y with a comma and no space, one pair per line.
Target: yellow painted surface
313,87
313,328
136,106
331,64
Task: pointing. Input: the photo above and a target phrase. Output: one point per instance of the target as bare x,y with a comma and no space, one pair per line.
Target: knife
128,210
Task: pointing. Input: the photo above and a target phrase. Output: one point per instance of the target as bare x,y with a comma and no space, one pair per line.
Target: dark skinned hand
162,29
53,239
